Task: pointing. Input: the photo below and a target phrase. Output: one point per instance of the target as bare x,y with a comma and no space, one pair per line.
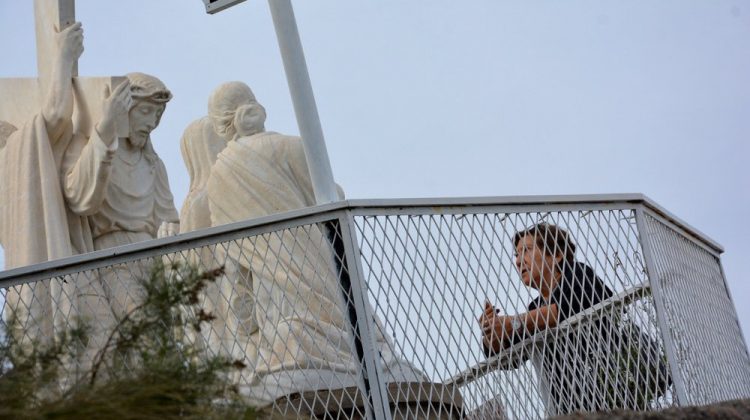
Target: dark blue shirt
564,357
578,290
572,384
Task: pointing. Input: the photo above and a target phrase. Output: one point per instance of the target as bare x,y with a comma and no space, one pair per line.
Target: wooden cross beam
21,98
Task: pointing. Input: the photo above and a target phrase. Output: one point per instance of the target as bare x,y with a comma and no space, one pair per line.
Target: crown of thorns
159,96
149,88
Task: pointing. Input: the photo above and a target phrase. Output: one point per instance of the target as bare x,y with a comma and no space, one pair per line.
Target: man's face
143,117
535,266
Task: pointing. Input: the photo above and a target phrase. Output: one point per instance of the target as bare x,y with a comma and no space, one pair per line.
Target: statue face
143,117
249,119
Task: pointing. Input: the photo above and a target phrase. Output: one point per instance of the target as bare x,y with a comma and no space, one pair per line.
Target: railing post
344,241
734,305
661,314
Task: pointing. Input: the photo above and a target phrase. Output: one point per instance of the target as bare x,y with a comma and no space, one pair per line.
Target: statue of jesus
65,193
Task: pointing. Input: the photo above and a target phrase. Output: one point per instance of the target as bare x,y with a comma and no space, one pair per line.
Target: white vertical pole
303,100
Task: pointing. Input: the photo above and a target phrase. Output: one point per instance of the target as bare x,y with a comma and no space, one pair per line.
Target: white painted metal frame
679,384
331,211
340,217
374,386
216,6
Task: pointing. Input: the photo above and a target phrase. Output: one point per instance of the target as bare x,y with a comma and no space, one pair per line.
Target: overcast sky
472,98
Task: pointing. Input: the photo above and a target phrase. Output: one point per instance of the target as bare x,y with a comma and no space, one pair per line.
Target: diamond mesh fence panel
493,314
278,307
712,357
467,299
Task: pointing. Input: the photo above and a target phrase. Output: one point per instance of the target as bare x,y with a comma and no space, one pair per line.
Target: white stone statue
65,193
299,330
33,220
230,297
129,199
201,143
199,146
35,224
114,191
120,186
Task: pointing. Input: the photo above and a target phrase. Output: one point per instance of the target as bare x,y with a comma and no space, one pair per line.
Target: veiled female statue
300,331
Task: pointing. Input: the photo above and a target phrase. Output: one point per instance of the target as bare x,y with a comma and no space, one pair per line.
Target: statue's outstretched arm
58,106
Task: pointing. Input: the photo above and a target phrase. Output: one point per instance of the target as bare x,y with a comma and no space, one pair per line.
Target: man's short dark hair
550,238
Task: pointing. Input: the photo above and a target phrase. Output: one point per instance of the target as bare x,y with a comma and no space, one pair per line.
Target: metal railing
370,308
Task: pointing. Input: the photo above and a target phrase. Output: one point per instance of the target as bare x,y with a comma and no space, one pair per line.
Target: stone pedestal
408,400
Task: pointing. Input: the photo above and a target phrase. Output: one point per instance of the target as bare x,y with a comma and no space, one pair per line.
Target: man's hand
496,329
70,43
116,105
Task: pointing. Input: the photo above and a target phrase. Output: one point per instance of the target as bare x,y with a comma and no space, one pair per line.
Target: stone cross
21,98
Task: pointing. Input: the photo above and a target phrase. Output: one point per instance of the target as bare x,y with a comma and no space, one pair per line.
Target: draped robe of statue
227,297
126,205
36,225
302,333
199,146
33,218
123,203
53,186
34,212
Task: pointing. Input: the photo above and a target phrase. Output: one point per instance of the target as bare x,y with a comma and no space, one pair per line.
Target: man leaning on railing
580,369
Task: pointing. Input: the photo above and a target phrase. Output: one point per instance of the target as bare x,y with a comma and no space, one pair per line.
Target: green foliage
146,369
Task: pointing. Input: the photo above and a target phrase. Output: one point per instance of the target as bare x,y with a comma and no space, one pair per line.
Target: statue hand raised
116,105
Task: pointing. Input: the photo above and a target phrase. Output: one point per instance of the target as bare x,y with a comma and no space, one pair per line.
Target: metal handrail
358,207
512,356
396,257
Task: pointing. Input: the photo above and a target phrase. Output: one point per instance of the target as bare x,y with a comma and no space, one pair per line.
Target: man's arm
582,290
58,106
538,319
498,329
